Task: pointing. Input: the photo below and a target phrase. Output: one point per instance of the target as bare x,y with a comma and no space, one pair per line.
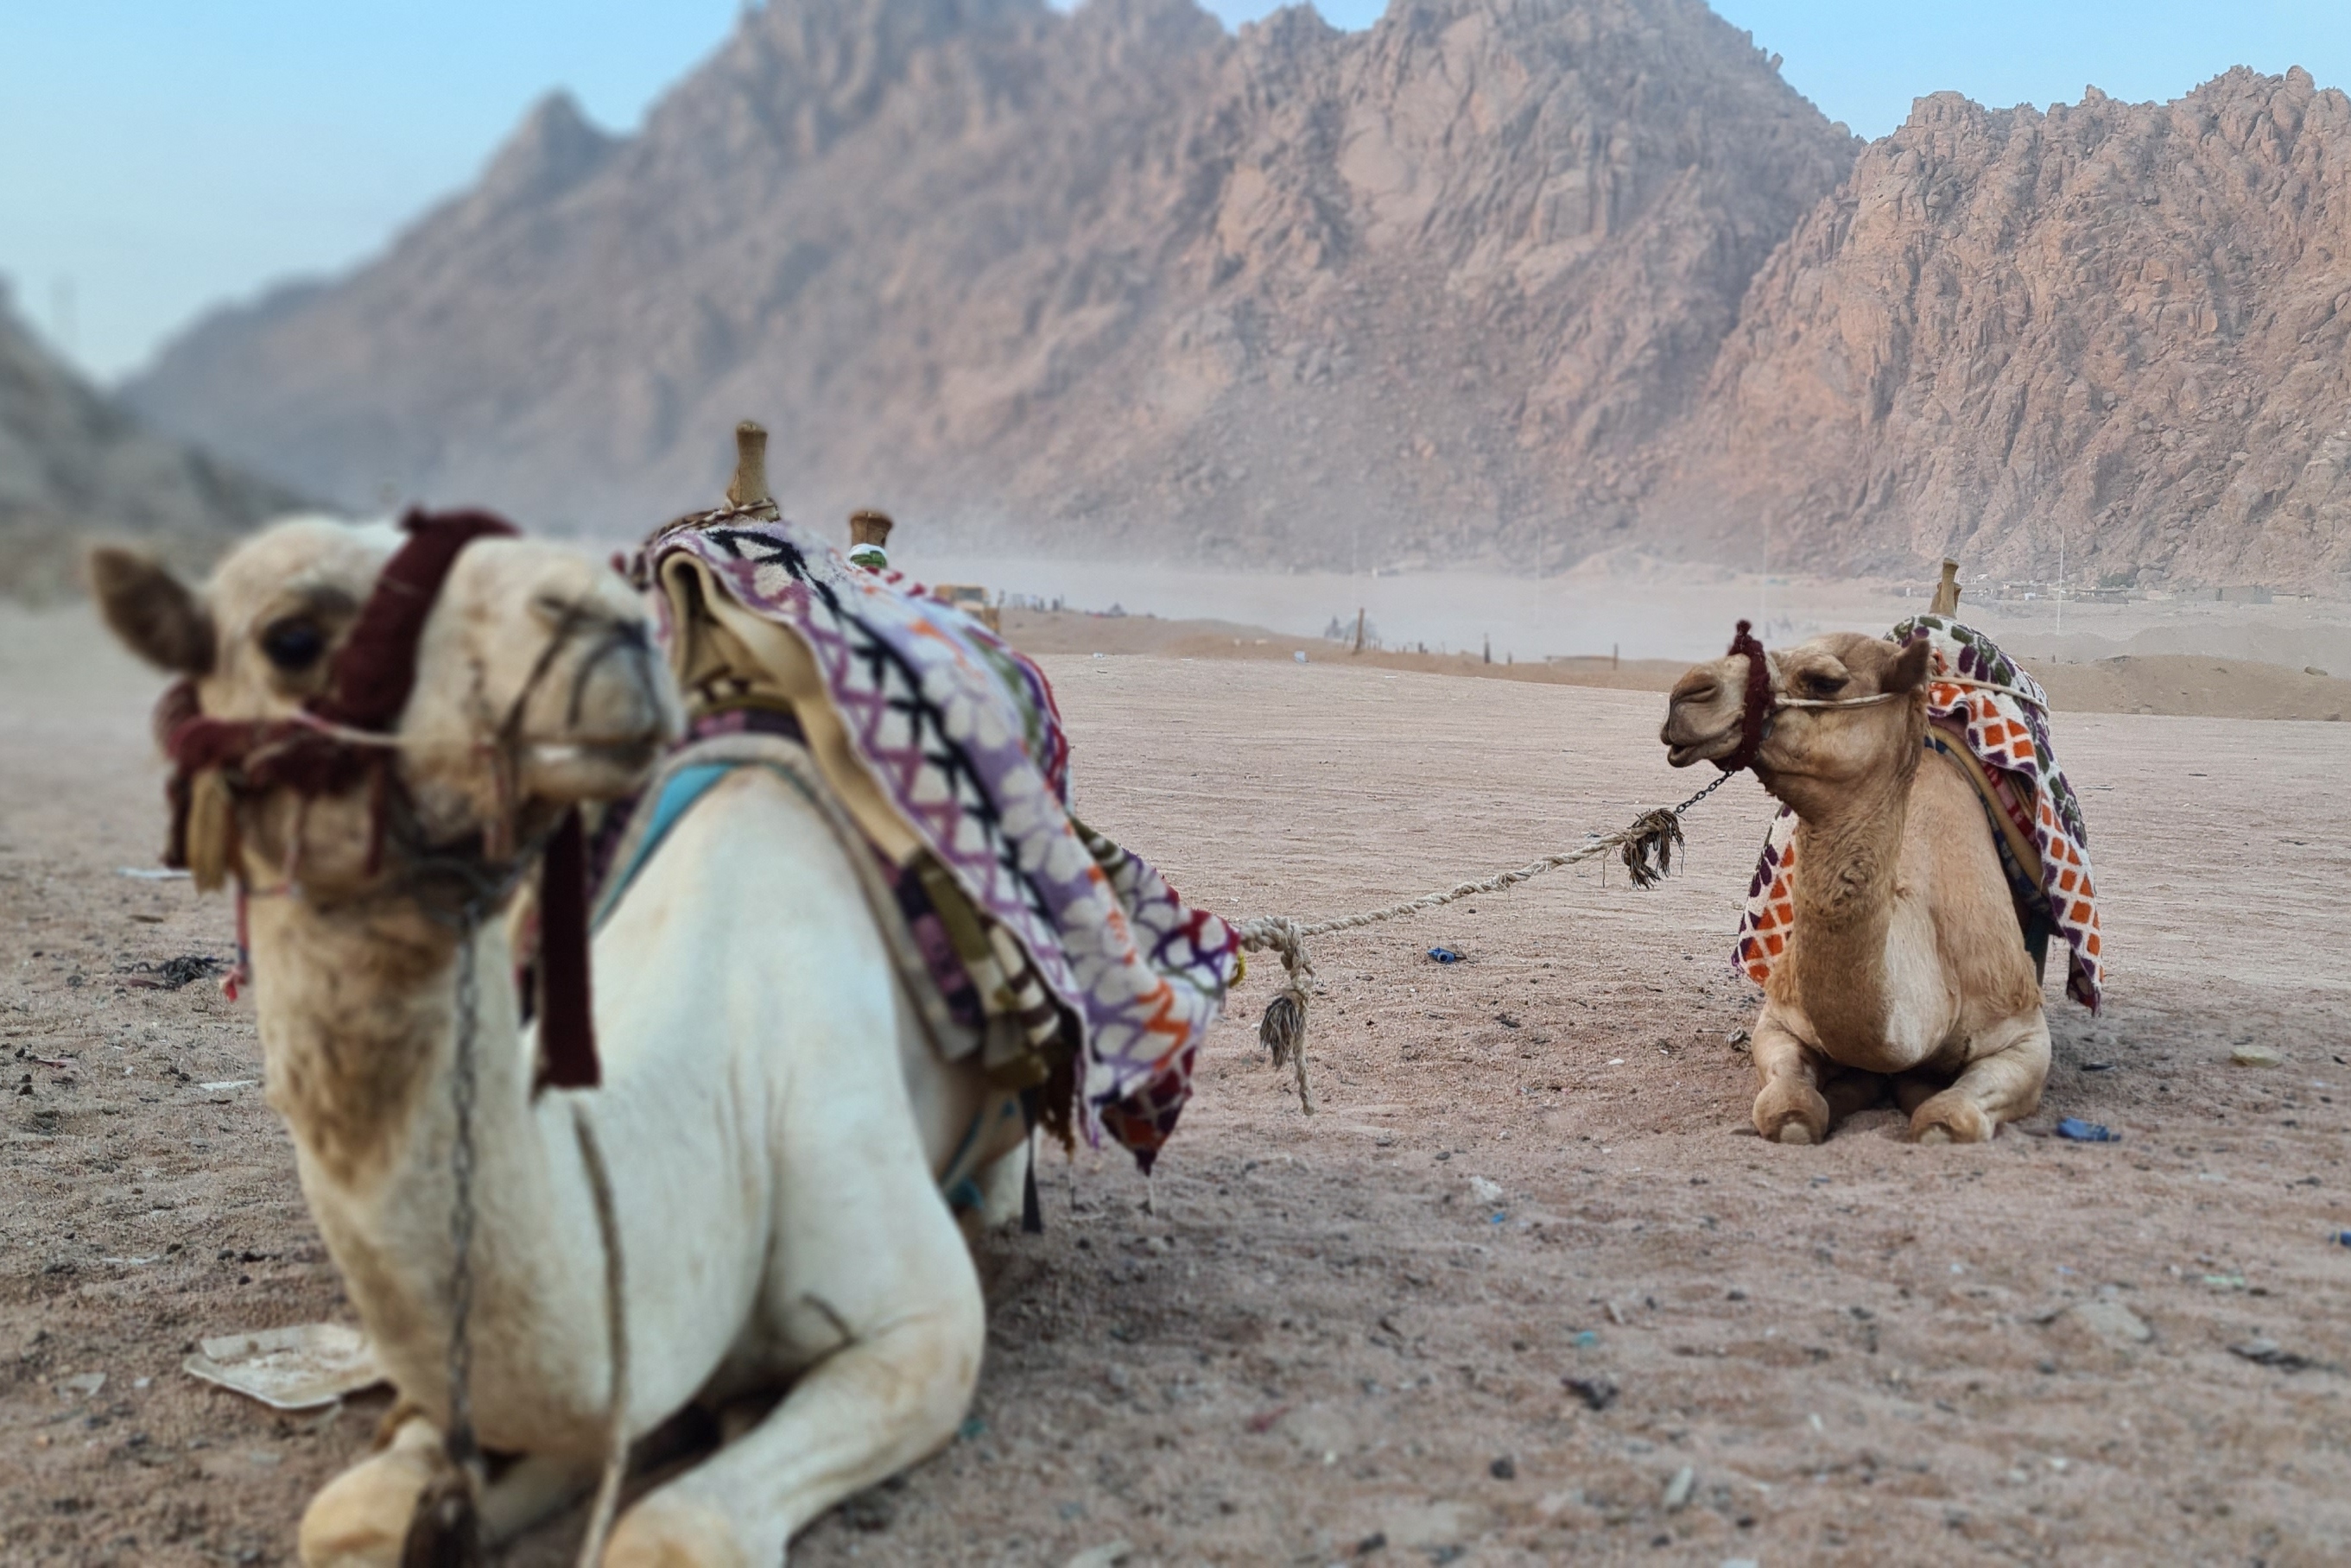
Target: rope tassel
1646,847
1649,854
1283,1030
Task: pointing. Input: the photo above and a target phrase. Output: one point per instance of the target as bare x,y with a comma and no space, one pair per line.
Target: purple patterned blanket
961,734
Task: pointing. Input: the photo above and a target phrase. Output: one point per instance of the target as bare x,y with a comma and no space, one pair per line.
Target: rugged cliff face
73,466
1433,290
1497,279
2122,324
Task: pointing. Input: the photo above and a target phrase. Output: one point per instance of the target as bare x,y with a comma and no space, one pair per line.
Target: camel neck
1848,844
358,1014
358,1009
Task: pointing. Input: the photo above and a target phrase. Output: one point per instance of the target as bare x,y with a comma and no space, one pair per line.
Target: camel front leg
875,1292
1004,1186
1789,1105
1804,1093
360,1519
2000,1084
857,1418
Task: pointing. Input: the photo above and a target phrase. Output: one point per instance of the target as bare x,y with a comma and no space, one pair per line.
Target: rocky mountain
73,465
2120,328
1511,280
1435,289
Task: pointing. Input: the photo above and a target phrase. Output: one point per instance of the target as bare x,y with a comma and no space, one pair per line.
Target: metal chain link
462,1445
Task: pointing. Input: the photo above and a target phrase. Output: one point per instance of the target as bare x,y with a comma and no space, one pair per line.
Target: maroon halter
313,754
370,682
1755,717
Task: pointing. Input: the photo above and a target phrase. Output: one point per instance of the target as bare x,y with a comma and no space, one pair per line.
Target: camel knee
1951,1116
669,1530
360,1519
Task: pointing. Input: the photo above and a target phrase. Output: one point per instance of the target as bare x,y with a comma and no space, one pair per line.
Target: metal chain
1719,780
461,1443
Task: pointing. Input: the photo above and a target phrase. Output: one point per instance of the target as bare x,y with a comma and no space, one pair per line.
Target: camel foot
1952,1117
1792,1115
665,1531
360,1519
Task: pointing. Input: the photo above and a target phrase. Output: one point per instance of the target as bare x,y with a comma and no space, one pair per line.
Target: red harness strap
1755,717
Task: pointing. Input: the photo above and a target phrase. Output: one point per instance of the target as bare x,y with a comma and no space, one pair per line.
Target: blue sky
158,158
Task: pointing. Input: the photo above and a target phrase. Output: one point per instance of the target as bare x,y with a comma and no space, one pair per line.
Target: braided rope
1646,846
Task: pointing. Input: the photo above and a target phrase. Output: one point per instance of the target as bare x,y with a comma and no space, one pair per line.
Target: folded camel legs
1804,1095
1790,1106
2001,1083
360,1519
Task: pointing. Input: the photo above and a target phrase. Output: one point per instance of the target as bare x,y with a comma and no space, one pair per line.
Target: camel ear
152,611
1910,671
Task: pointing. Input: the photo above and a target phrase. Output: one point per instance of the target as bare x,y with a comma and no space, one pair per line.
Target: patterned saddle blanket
945,747
1983,708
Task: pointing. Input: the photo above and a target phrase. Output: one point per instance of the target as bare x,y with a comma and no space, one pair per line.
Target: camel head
536,686
1836,710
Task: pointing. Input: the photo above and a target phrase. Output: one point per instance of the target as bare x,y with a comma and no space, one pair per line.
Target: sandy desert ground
1642,606
1313,1340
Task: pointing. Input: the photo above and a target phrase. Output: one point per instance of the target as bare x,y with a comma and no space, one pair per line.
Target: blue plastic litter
2343,1237
1586,1337
1445,955
2076,1130
1497,1218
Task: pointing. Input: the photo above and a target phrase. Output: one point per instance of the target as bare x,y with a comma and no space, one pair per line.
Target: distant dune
2179,685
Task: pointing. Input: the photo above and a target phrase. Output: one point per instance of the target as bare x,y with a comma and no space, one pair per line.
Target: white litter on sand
294,1368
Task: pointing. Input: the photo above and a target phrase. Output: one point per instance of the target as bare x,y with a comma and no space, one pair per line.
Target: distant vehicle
972,600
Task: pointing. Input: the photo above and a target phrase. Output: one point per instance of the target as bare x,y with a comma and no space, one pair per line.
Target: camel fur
1906,961
773,1117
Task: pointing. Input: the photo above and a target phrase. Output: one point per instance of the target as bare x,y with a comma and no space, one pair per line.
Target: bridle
1761,702
344,738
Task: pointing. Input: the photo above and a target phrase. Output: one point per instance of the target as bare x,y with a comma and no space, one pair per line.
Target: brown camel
1906,960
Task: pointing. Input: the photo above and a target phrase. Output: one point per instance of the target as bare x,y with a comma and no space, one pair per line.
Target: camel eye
294,644
1818,683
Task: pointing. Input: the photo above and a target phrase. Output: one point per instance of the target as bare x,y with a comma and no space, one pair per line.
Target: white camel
775,1122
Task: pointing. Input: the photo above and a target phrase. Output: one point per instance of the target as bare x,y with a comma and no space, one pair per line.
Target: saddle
1063,962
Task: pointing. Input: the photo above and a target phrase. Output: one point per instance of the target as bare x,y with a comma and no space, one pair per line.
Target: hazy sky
157,157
